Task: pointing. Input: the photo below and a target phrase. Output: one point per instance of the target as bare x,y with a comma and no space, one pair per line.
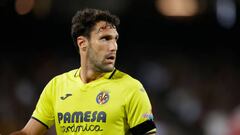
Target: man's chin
108,68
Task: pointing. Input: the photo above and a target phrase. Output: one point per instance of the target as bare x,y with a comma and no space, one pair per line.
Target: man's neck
89,75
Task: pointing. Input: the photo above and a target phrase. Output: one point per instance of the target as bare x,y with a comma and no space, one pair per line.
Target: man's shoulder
68,75
122,75
127,79
129,83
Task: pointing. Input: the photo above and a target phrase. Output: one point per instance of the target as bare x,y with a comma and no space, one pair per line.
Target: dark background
188,65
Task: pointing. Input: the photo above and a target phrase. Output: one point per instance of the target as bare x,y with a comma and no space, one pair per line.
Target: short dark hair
84,21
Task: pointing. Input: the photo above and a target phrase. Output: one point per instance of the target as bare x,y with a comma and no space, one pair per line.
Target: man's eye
105,38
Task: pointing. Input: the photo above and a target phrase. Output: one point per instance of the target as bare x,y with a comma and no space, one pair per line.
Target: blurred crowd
191,94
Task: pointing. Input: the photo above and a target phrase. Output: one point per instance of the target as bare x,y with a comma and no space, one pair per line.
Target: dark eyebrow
110,37
110,26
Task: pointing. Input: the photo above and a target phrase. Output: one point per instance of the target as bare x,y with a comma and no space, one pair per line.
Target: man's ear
82,43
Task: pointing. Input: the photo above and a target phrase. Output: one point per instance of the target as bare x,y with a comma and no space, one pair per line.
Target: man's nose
114,46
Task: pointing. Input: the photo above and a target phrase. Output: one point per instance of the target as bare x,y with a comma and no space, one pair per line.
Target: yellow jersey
115,104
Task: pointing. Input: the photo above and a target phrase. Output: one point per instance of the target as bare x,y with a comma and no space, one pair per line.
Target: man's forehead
103,26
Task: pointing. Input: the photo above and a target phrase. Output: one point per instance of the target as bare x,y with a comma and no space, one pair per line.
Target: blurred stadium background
184,52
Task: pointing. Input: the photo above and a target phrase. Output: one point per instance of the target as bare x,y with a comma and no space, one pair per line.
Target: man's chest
90,104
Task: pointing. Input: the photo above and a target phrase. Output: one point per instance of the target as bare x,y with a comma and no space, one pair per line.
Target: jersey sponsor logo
81,121
81,128
102,97
66,96
77,117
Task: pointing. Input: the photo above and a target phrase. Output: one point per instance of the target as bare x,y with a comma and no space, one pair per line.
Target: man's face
102,47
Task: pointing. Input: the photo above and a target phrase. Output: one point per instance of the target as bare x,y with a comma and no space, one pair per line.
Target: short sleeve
139,111
44,112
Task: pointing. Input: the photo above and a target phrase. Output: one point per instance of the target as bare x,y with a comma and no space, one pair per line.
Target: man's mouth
110,58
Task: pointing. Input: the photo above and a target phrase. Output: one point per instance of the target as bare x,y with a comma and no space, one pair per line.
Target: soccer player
96,98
